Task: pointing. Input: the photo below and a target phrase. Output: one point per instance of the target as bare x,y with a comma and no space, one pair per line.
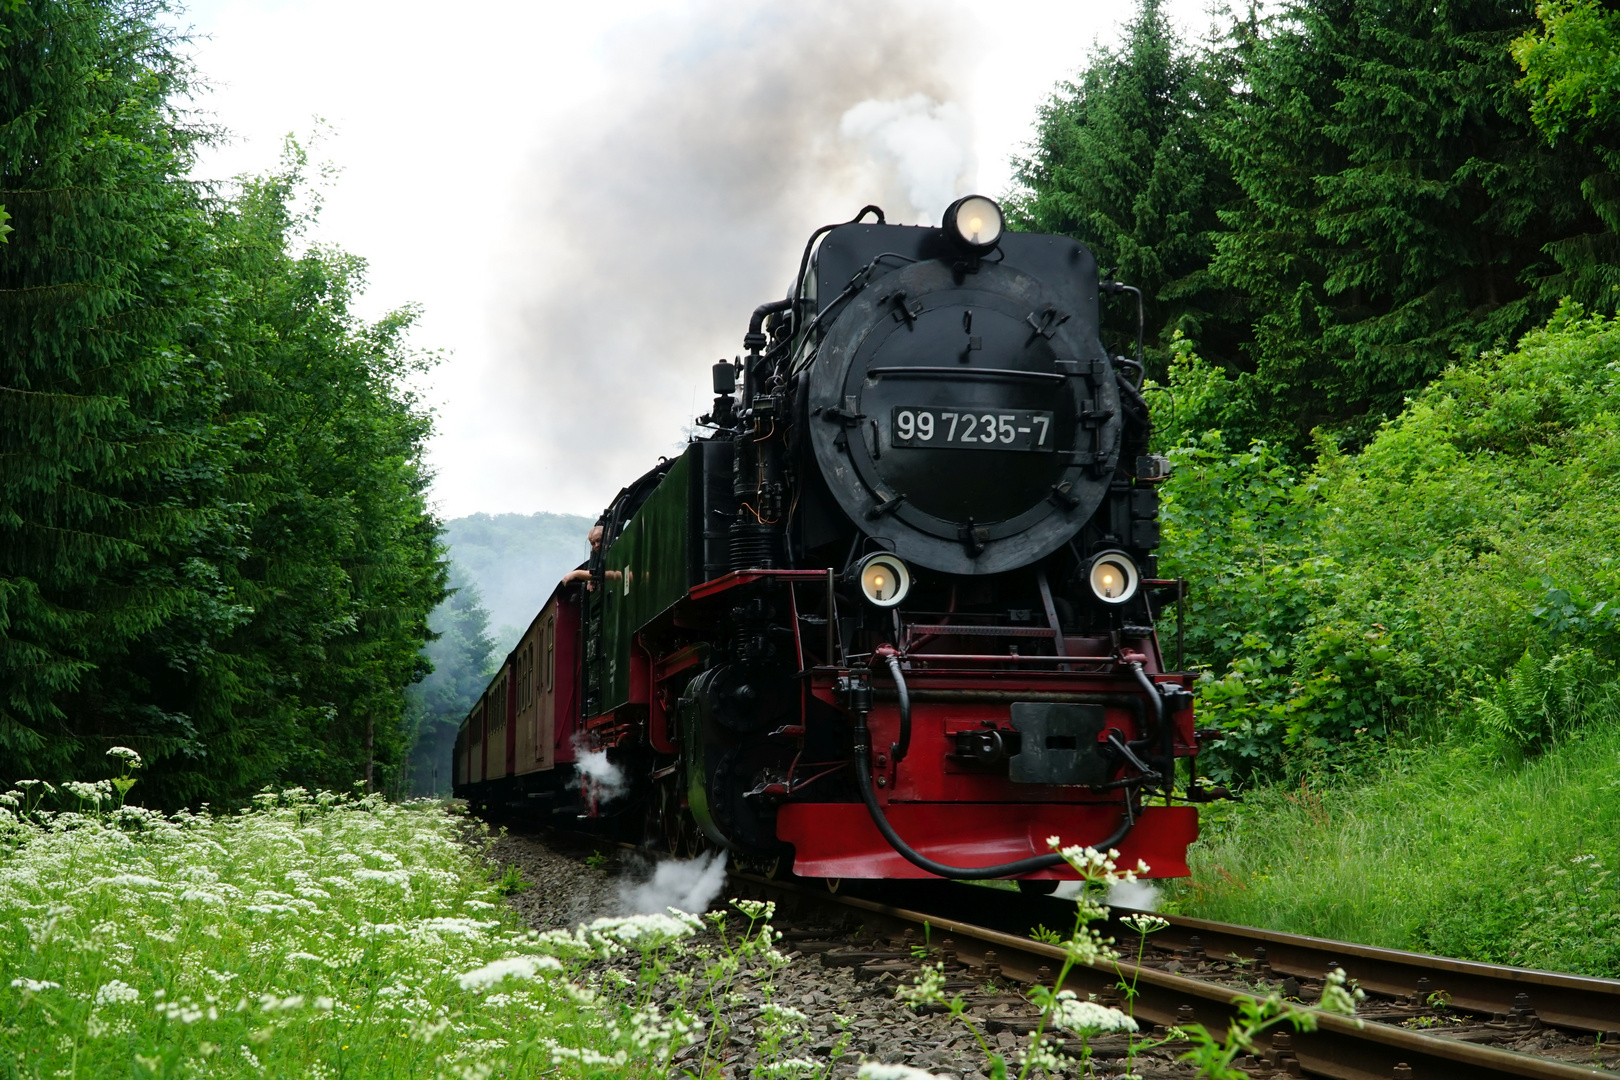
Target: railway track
1424,1016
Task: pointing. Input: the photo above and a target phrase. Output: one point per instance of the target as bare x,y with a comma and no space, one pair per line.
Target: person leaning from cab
583,572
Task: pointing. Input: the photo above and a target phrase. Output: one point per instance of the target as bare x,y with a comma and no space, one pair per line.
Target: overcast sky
588,199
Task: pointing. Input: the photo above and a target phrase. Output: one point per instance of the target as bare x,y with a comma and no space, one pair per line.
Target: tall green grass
1464,847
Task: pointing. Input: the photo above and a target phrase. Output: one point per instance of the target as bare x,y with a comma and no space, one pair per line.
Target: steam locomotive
894,614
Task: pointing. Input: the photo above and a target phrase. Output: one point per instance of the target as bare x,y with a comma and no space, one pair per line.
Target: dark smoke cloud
681,199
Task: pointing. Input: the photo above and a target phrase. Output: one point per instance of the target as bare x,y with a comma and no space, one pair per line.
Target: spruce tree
214,539
1574,86
104,415
1399,209
1122,161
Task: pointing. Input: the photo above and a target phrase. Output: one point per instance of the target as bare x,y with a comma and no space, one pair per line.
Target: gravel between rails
843,979
851,1009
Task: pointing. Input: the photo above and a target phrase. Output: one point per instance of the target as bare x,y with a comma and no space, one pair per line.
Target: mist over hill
515,560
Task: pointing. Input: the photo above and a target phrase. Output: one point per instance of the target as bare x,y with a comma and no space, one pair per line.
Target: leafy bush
1387,591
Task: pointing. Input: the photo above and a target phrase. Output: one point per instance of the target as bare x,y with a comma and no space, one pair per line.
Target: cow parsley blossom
517,967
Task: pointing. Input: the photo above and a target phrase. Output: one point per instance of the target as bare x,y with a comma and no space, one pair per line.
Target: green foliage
1122,160
214,542
1574,88
313,935
1542,699
1388,591
1338,200
1569,68
105,417
1399,205
509,882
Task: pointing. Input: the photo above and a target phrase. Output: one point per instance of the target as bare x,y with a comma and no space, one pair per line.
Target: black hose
898,751
1167,734
863,780
810,244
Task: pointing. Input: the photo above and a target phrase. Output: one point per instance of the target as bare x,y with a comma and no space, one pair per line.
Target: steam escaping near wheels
1141,895
1138,895
598,776
687,884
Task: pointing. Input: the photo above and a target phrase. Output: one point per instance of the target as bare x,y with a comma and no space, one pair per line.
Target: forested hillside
1336,201
214,541
502,568
1344,217
516,560
1379,245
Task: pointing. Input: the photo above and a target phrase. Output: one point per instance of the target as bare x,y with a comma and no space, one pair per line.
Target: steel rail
1568,1001
1343,1048
1576,1002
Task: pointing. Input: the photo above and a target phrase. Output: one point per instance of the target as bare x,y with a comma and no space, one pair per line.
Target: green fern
1542,700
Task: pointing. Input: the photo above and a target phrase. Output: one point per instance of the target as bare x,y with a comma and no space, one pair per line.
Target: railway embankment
1452,849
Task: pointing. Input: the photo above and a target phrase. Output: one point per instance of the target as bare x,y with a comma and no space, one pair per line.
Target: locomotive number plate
1015,429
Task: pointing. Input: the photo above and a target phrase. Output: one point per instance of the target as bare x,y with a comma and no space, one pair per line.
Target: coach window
551,651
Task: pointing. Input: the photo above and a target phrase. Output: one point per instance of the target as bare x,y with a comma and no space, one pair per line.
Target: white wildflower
459,927
876,1070
642,931
1145,924
579,995
366,929
782,1014
126,755
929,987
587,1056
518,967
271,1003
1088,1017
117,992
1089,863
1339,995
382,877
35,986
788,1068
136,881
756,909
1041,1055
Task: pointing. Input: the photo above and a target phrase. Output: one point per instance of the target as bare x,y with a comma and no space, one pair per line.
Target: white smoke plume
596,775
1141,895
688,884
679,198
928,143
